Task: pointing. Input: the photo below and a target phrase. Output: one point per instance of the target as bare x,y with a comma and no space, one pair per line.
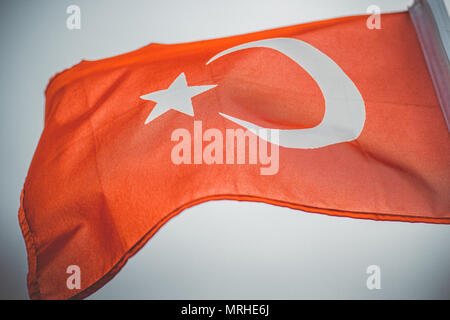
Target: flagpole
432,24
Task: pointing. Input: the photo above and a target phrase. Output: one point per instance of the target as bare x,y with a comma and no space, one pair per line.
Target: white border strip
432,25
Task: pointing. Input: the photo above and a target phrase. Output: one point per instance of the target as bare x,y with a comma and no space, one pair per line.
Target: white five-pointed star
177,97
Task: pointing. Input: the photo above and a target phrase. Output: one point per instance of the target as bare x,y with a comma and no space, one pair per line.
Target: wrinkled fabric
101,182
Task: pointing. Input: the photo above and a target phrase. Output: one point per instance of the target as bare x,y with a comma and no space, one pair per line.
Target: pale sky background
220,249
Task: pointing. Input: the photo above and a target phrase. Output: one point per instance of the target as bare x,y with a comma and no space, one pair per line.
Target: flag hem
431,27
33,284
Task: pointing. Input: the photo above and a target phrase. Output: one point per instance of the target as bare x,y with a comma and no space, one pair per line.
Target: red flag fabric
130,141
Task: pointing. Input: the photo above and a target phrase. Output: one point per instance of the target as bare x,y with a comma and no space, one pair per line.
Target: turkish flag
332,118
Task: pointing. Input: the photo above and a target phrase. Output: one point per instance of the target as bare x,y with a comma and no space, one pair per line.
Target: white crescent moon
344,107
